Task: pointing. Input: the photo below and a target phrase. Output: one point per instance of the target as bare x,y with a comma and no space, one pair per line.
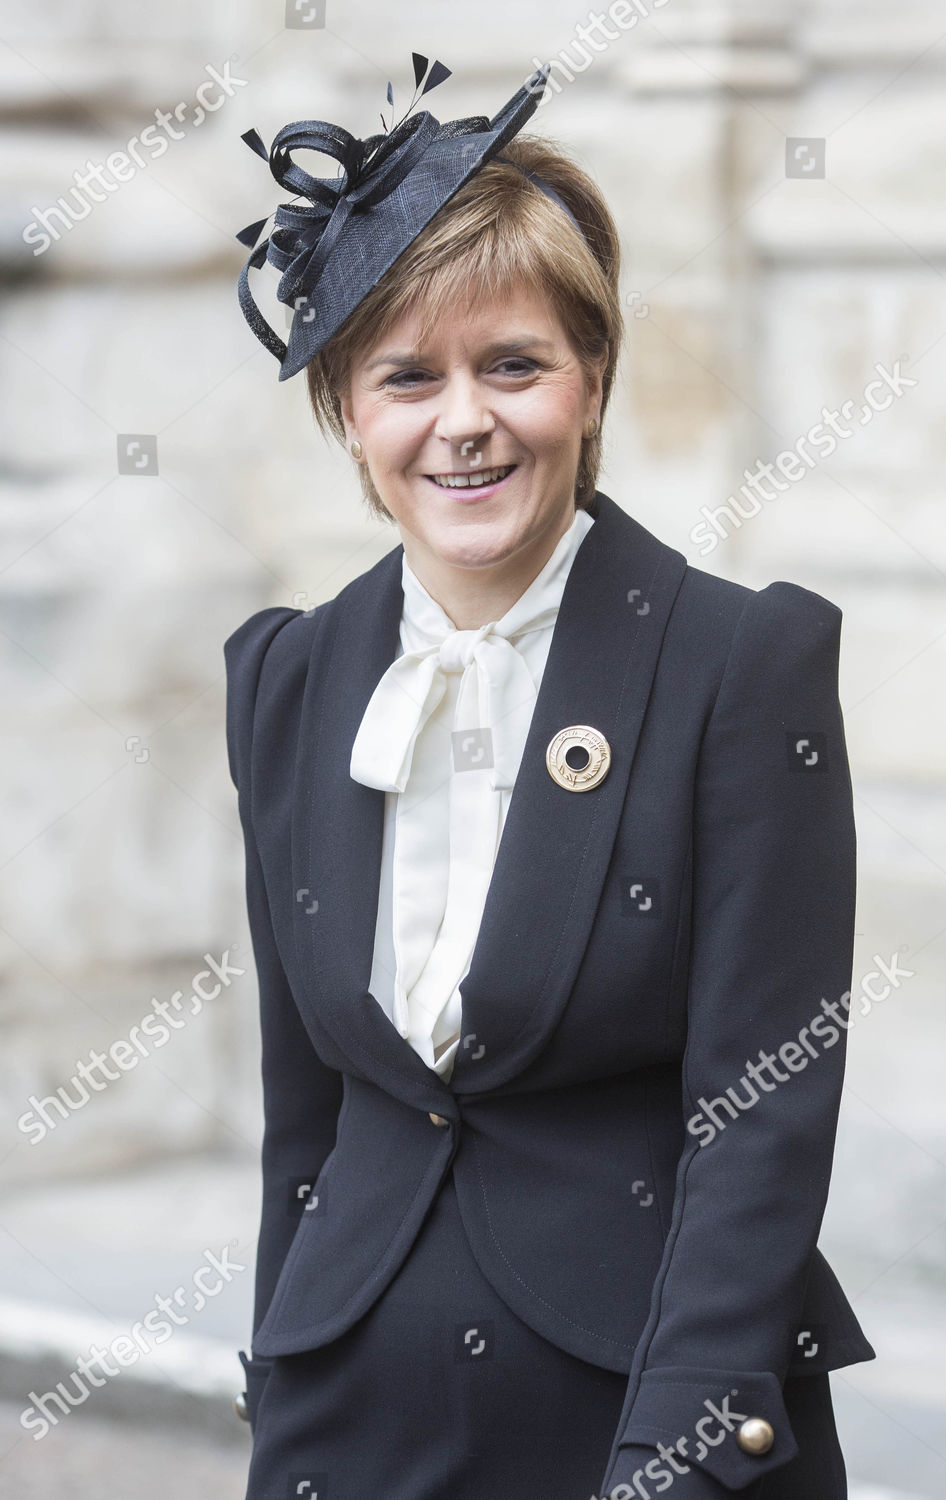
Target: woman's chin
479,552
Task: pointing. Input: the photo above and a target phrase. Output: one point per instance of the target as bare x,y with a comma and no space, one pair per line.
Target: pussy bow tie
448,827
415,682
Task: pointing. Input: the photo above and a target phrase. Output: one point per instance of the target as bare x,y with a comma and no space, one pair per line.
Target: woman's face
501,388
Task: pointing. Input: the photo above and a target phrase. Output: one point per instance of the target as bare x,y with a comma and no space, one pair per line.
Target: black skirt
440,1391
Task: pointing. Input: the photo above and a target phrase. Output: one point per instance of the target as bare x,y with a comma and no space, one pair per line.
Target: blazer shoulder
273,644
724,636
789,629
246,646
780,605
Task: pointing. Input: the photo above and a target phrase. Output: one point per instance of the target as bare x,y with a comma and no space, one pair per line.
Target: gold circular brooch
578,758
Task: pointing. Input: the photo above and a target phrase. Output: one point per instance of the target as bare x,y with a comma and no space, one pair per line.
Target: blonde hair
498,231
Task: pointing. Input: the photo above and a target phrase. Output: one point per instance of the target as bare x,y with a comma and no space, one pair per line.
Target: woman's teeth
463,481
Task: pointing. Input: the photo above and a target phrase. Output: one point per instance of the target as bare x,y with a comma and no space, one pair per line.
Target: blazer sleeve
771,952
301,1094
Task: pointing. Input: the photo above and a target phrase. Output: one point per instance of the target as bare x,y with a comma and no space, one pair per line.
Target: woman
541,1190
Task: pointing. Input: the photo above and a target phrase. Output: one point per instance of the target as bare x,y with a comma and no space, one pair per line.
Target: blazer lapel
337,826
556,844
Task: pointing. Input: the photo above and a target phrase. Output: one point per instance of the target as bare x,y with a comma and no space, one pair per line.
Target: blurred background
777,172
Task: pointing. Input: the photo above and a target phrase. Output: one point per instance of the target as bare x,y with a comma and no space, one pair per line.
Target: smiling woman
455,364
498,238
476,454
532,865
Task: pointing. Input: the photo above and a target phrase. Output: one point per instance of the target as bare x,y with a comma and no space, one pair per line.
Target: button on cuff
755,1435
734,1422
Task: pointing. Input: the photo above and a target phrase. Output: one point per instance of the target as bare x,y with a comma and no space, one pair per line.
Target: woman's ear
595,385
348,417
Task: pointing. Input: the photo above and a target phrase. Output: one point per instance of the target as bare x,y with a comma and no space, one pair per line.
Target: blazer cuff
704,1430
256,1372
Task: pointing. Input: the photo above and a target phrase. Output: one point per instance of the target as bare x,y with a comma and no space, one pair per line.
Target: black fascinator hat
334,247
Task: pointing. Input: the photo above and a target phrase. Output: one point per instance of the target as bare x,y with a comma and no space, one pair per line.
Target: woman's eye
525,365
410,377
406,377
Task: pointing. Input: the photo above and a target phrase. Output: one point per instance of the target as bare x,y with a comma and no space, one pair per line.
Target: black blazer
642,944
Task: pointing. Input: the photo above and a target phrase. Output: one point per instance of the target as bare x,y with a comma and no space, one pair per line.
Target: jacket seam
602,1338
247,769
674,1235
652,1160
677,942
277,1306
700,1385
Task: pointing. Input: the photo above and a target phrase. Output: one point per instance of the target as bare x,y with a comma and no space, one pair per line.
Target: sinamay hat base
333,248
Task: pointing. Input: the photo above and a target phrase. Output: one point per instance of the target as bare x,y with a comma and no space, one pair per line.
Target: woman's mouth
475,484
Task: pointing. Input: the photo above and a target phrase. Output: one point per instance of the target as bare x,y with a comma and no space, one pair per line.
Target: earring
592,427
356,449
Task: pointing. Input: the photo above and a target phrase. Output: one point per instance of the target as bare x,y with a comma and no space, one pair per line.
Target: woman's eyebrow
499,346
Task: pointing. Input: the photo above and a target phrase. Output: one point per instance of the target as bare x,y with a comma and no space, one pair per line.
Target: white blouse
443,735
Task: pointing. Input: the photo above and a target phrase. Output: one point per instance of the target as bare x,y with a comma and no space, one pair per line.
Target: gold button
438,1119
755,1435
240,1407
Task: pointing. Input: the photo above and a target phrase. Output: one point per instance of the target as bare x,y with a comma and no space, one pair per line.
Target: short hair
497,232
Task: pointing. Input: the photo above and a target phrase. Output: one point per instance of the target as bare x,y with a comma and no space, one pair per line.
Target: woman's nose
464,415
